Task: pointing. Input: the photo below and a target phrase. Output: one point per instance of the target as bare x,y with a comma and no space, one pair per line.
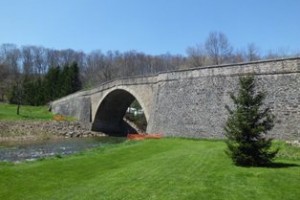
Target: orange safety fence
142,136
59,118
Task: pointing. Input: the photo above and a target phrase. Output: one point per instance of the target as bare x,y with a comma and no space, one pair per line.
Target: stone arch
110,113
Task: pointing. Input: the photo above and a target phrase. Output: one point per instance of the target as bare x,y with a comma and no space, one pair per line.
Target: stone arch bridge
189,103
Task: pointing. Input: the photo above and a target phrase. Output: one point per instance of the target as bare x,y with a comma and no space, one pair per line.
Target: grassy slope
153,169
8,112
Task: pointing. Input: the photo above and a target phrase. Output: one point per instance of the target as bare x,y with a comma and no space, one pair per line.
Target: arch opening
119,114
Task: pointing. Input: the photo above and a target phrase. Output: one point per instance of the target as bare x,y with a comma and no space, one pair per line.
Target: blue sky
151,26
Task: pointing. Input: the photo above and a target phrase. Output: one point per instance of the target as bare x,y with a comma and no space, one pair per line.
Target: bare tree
67,56
10,56
92,74
4,81
218,48
40,60
53,58
196,56
252,52
168,62
238,57
99,67
280,52
80,59
27,60
178,62
147,64
108,67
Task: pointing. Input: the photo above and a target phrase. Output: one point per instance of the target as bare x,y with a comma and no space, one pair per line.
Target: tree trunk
18,108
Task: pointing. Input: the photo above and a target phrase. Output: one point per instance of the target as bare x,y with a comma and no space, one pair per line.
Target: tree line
27,67
39,90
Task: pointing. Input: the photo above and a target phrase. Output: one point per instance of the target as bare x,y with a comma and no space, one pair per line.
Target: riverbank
36,130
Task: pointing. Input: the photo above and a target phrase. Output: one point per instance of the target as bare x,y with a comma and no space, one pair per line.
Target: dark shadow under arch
109,116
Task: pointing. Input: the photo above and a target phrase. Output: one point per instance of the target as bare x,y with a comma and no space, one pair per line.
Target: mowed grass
9,112
152,169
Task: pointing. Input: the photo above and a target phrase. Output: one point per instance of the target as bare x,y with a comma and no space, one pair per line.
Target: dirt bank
42,129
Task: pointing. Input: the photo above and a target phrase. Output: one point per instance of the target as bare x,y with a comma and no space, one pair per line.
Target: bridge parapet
278,66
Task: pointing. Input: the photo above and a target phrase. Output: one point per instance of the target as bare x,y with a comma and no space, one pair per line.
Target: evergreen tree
34,91
40,92
75,80
65,81
247,126
29,91
13,95
52,83
37,90
69,79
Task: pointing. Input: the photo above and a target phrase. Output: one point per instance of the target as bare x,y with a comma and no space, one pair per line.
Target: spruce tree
65,81
74,74
30,91
52,83
247,126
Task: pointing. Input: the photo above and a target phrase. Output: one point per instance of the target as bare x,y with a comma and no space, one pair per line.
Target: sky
150,26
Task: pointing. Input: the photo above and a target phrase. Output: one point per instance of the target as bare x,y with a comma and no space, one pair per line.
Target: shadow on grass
27,116
281,165
272,165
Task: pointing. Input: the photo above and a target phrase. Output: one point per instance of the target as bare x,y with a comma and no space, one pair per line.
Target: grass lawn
9,112
152,169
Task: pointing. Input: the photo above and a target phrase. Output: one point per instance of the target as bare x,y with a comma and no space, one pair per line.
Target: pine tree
65,81
74,74
29,91
69,79
247,126
52,83
40,92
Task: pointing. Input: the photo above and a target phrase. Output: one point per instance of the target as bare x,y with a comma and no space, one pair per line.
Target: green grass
9,112
152,169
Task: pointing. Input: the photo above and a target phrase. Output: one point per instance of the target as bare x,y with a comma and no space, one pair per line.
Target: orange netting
59,118
144,136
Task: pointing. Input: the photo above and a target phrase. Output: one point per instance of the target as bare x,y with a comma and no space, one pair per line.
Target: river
32,150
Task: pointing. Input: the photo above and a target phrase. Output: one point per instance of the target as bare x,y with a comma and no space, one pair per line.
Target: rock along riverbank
10,130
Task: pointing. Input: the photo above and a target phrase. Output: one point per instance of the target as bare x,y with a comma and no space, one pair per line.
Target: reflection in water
20,151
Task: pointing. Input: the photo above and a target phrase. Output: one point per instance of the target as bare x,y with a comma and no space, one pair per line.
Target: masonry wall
192,103
77,105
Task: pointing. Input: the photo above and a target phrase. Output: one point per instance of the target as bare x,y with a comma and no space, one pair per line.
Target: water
21,151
